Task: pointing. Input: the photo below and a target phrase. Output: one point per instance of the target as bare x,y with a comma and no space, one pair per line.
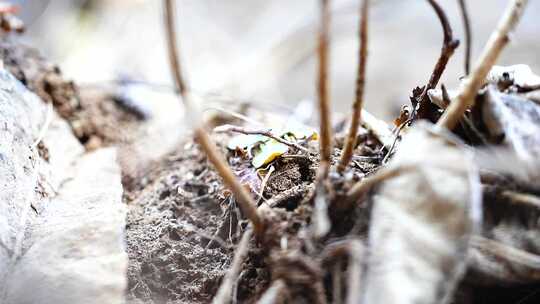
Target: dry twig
274,294
468,34
350,141
267,133
244,199
322,89
366,183
356,254
499,38
449,46
223,295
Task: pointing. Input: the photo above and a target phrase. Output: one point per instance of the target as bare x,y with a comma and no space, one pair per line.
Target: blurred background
263,50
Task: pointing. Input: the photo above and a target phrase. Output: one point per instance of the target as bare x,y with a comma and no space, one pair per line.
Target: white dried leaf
518,119
520,75
422,220
61,221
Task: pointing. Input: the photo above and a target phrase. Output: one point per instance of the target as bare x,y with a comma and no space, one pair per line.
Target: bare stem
275,293
322,84
365,184
447,50
172,46
267,133
356,255
223,295
497,41
350,141
468,34
244,199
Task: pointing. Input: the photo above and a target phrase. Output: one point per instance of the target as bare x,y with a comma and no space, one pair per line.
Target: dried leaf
515,118
519,75
245,141
268,152
422,220
61,221
247,175
299,131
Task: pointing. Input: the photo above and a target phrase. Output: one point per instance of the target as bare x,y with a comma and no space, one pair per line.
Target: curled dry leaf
515,77
515,119
61,220
422,221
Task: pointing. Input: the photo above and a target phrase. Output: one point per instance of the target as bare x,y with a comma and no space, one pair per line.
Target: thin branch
322,86
365,184
336,283
350,141
267,133
244,199
235,115
498,40
223,295
321,223
449,46
522,198
396,138
274,294
356,255
468,34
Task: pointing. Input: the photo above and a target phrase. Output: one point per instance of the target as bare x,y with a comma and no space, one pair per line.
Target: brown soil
183,226
95,117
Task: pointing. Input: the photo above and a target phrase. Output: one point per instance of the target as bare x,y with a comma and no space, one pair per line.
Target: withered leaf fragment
422,220
514,118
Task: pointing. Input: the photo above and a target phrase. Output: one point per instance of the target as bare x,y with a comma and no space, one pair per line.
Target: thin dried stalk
223,295
522,198
350,141
267,133
366,183
497,41
336,282
322,85
447,50
356,255
244,199
468,34
274,293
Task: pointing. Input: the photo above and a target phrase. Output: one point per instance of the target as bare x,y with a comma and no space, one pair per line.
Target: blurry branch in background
245,201
322,89
449,46
497,41
350,141
468,34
